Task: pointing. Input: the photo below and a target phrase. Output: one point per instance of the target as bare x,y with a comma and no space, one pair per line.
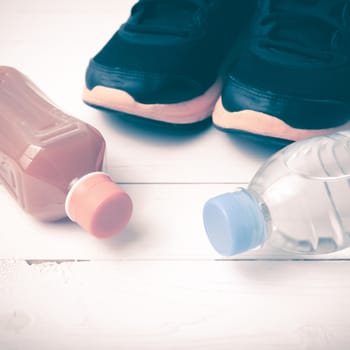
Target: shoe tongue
168,14
306,23
312,33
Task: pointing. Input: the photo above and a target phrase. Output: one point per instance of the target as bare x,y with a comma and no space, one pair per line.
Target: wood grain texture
174,305
159,284
51,44
166,225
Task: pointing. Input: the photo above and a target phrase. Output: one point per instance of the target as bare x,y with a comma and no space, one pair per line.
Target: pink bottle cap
98,205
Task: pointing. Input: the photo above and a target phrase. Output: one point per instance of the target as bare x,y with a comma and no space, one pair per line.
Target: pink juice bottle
51,162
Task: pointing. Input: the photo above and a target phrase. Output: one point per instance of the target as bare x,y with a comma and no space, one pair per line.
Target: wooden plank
175,305
166,225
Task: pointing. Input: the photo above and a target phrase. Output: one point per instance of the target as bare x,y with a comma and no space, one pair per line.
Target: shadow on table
141,128
257,146
128,237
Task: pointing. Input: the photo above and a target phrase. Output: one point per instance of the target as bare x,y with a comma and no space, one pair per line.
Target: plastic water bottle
299,200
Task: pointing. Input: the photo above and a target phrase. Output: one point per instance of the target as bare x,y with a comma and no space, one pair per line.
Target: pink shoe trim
187,112
263,124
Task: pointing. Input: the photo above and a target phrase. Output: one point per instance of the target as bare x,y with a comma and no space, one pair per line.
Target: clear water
306,189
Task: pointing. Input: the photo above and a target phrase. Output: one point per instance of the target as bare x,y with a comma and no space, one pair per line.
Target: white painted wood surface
175,305
159,284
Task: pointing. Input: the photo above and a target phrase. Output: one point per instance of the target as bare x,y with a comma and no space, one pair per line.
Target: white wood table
159,284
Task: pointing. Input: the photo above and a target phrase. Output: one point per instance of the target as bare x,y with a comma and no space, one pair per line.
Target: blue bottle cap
234,222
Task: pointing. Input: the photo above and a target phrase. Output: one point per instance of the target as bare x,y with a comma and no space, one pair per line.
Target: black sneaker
164,62
292,80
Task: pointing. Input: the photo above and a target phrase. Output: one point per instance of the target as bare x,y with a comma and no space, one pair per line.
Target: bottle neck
73,187
262,217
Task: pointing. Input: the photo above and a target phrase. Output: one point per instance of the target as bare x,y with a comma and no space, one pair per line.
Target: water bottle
299,201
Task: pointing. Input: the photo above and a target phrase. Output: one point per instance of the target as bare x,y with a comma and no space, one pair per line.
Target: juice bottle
51,162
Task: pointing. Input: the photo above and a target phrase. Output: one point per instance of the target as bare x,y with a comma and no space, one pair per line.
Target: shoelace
142,8
329,21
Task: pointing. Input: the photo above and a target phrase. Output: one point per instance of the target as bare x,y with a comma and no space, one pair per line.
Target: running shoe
292,79
165,63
